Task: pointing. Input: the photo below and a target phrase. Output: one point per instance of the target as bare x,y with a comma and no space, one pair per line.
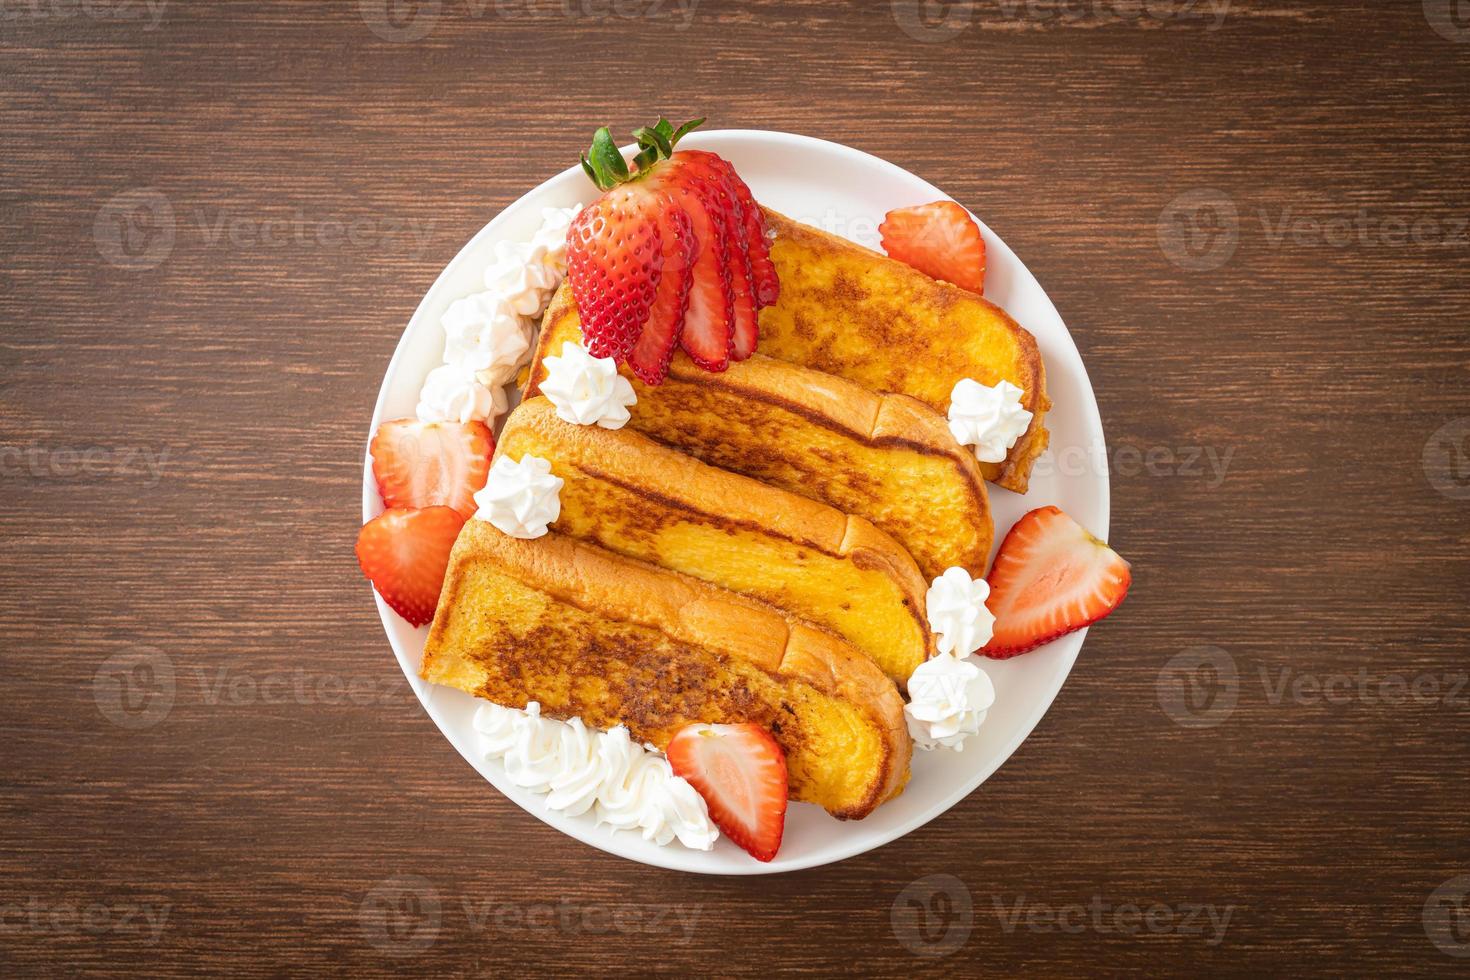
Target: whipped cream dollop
957,612
548,245
485,332
587,390
453,393
525,274
948,699
487,336
988,417
520,497
607,774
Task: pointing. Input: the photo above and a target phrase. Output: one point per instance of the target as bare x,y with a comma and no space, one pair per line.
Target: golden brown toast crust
855,313
888,458
647,501
606,675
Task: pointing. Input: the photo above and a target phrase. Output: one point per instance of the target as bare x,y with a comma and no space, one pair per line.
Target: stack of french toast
754,545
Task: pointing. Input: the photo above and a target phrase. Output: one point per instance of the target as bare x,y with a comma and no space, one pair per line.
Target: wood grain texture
224,391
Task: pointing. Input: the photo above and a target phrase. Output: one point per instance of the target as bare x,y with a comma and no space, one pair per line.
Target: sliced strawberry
1050,577
424,464
708,334
614,264
766,284
940,240
709,322
404,552
714,172
616,255
654,349
741,773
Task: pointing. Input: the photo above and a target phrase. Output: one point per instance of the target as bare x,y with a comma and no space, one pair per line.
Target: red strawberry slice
706,167
424,464
404,552
743,330
766,284
1050,577
940,240
614,263
654,349
741,773
709,322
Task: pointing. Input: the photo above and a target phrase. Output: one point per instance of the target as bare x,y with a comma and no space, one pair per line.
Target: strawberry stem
604,163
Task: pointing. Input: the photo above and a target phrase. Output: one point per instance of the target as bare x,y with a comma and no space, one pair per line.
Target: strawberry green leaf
655,147
686,129
609,169
647,135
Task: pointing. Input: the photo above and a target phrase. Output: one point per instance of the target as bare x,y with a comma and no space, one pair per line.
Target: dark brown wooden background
282,822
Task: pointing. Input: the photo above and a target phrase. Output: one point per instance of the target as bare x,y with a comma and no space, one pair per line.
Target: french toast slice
888,458
612,641
631,495
860,315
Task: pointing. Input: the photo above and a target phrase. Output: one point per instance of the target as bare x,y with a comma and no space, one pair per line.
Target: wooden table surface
218,218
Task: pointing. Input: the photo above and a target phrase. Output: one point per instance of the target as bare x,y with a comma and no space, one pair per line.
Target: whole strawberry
674,254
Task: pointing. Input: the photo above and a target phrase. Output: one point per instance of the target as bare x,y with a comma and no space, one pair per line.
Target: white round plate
846,192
